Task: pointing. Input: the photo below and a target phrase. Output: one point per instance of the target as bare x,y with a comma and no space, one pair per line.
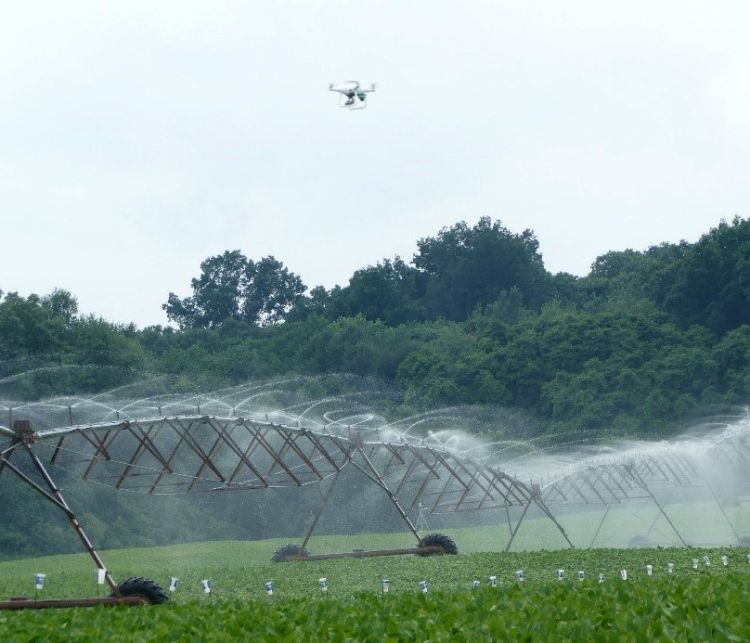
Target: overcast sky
139,138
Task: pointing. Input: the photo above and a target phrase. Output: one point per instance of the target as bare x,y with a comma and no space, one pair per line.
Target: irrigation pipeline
23,603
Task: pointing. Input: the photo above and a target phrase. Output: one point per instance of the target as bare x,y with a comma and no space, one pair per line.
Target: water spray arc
228,442
210,454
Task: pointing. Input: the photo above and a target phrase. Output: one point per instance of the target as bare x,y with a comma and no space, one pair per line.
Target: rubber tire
147,589
288,553
438,540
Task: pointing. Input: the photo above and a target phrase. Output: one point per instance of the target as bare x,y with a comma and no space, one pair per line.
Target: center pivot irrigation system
209,454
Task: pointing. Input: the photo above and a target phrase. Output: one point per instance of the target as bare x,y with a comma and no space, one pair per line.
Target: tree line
645,341
641,345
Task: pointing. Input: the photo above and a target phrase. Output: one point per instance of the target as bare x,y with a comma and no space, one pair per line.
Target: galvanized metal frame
208,454
24,439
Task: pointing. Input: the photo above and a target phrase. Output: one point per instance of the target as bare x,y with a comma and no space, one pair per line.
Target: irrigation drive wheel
445,543
148,590
289,552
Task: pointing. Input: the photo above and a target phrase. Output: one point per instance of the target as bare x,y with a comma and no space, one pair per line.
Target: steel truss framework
201,453
209,454
612,483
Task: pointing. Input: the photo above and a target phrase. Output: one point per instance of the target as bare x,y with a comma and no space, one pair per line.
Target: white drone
352,95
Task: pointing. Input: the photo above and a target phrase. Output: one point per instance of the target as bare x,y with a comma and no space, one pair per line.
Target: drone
352,95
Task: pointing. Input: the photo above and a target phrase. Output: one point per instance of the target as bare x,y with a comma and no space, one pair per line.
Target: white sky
139,138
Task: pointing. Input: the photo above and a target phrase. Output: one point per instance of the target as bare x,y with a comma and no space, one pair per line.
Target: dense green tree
62,305
732,359
471,266
28,326
270,291
389,292
645,339
712,283
217,293
231,286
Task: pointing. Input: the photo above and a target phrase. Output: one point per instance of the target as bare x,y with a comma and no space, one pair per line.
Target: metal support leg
507,516
518,524
323,502
653,524
540,503
721,509
72,518
5,453
599,528
377,479
642,484
421,518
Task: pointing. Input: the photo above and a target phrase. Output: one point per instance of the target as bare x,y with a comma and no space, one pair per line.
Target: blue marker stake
38,584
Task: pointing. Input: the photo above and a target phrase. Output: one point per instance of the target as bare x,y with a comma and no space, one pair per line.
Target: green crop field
704,604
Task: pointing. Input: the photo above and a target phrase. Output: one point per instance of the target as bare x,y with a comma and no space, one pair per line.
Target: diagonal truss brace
23,441
535,497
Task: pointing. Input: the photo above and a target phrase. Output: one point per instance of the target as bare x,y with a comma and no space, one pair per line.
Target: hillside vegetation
643,343
641,346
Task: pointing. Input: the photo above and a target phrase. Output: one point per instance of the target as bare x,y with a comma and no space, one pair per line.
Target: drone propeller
353,95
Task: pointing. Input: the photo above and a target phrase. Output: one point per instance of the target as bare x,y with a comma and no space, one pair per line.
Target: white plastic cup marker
206,583
39,580
101,576
724,561
269,588
560,574
475,583
695,563
519,575
624,574
386,585
493,581
423,586
706,561
649,570
581,575
323,583
173,583
601,578
670,568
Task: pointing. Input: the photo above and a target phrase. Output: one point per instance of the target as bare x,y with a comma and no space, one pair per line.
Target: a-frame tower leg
630,469
24,440
535,497
369,470
321,509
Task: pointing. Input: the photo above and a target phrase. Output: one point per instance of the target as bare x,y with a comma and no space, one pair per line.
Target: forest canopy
646,340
